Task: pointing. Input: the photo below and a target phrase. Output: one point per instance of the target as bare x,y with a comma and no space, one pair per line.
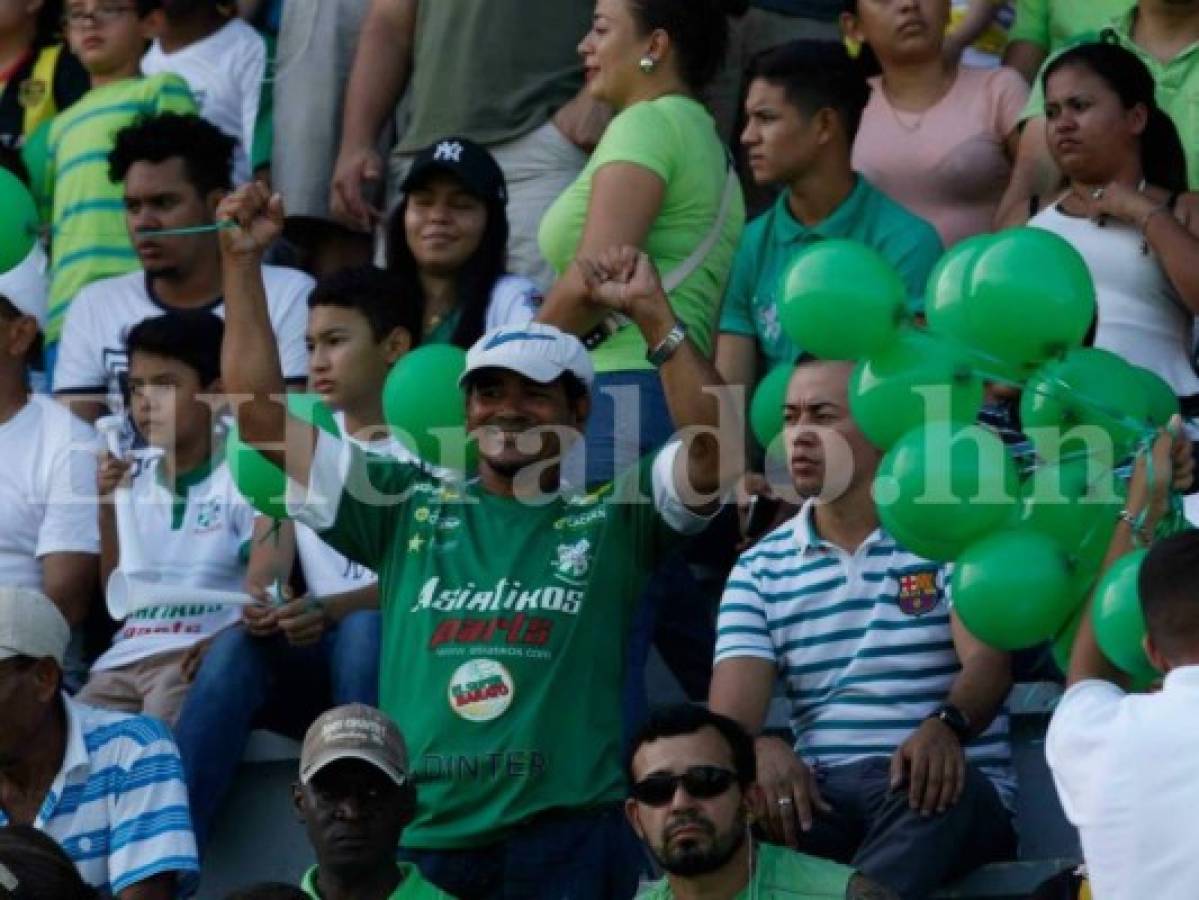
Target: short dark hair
1168,585
699,30
206,151
377,294
193,338
682,719
816,75
40,866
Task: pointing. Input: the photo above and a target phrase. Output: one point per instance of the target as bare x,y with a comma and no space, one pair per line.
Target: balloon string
222,225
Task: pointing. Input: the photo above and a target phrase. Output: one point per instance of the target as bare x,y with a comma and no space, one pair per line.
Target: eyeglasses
700,782
101,15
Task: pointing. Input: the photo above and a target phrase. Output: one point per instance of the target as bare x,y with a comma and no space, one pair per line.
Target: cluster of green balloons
1012,308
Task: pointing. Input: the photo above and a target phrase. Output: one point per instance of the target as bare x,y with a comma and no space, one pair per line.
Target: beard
694,857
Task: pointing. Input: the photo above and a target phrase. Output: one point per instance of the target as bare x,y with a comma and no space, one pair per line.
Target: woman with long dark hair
447,244
659,180
936,136
38,76
1127,210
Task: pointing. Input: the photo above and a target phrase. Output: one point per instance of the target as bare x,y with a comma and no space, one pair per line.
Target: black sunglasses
700,782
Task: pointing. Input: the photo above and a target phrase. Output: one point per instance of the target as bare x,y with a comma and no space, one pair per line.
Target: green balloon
918,379
425,407
1118,620
1090,388
1075,502
841,300
1029,296
1012,589
945,299
20,221
944,486
1160,398
766,408
258,479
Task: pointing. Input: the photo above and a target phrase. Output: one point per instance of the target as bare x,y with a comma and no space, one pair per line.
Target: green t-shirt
774,239
1177,89
1052,23
492,70
674,138
90,240
412,887
504,630
781,874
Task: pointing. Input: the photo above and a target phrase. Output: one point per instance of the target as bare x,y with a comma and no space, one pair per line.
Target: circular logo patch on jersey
481,690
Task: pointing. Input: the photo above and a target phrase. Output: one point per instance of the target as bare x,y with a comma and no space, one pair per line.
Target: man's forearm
250,366
380,73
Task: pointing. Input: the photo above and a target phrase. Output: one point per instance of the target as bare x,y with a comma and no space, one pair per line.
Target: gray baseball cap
31,625
354,731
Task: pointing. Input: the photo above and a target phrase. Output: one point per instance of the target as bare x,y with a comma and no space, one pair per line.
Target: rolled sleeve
667,501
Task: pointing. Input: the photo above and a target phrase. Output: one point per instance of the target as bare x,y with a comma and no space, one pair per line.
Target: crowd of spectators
247,207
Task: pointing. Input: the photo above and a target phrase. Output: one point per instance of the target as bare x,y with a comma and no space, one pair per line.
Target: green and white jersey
195,536
90,240
504,628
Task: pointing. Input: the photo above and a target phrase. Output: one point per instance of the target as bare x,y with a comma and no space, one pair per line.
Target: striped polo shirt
863,641
89,239
118,805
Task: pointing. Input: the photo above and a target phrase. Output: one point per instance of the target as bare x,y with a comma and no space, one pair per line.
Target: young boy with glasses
88,237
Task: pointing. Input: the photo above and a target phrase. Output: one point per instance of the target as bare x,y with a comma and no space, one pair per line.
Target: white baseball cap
27,285
31,625
539,352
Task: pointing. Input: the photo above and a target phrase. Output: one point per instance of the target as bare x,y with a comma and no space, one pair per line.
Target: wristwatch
669,344
954,719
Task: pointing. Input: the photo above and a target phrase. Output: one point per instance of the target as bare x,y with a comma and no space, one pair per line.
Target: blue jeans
584,856
244,680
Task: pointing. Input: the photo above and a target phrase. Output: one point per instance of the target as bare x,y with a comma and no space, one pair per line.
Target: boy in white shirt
48,534
223,61
359,324
190,526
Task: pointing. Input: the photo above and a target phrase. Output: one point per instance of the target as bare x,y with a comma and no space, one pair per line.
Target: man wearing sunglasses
692,790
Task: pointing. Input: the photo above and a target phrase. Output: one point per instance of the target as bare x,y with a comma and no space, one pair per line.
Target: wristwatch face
954,718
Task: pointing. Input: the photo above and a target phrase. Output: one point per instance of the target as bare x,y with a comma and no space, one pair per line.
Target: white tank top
1141,316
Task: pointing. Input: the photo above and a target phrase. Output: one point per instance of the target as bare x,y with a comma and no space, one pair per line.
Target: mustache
688,820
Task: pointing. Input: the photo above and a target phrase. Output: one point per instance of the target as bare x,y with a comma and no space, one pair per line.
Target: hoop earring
647,64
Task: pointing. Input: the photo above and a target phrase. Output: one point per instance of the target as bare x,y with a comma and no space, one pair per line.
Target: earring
648,64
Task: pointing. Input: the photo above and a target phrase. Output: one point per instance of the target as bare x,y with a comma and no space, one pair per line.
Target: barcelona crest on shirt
918,592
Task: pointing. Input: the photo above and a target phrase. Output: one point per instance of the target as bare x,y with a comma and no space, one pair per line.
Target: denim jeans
244,681
585,856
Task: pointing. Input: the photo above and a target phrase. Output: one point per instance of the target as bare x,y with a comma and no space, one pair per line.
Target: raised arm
625,281
250,368
381,67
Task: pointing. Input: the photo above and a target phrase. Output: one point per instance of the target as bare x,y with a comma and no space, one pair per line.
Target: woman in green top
658,180
447,244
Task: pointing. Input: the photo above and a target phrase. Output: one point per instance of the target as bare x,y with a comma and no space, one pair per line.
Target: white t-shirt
1126,768
326,571
225,72
1141,317
47,489
200,542
91,354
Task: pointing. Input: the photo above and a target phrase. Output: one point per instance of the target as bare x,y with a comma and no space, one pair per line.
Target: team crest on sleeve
919,592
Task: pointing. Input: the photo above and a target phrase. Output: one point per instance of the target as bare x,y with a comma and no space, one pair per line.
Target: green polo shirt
1050,24
774,239
1177,88
412,885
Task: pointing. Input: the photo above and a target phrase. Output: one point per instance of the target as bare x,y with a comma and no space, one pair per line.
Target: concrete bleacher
258,837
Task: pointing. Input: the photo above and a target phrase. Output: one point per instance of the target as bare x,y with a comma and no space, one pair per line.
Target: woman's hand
1119,201
624,280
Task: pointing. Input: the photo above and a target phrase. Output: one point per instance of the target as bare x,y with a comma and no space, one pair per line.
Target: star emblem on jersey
574,560
416,543
481,690
448,151
918,594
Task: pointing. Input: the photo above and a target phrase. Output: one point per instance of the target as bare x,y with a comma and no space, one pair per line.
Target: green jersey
504,629
781,874
90,240
413,885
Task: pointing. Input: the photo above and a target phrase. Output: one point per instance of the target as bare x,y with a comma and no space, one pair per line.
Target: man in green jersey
692,799
506,600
